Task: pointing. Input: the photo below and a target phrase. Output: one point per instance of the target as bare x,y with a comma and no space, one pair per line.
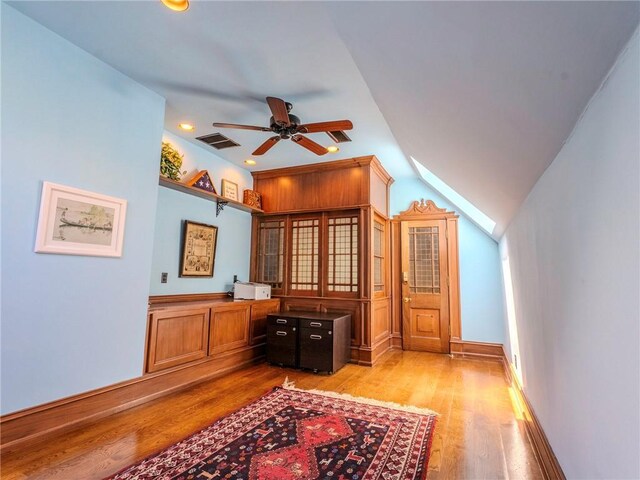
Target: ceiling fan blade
266,145
279,110
309,144
335,126
242,127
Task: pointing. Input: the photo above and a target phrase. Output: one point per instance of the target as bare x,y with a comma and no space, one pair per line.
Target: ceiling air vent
339,136
218,141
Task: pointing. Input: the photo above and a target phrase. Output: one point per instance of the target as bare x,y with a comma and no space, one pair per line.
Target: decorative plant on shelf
170,162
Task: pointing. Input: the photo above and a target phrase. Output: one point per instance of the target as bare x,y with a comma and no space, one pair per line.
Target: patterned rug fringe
290,385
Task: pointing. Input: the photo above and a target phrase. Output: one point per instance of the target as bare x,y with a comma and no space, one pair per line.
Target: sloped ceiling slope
485,93
482,93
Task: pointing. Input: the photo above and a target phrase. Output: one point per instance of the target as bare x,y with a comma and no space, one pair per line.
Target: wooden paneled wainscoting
72,412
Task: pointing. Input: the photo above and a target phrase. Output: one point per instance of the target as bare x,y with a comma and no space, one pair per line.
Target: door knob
406,299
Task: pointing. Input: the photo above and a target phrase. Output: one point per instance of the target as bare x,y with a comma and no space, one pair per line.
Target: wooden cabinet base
72,412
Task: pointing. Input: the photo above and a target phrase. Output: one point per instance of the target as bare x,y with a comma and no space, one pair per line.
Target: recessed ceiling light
186,126
332,149
250,161
177,5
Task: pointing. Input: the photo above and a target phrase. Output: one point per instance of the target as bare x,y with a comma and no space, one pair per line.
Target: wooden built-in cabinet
258,324
177,337
193,328
229,328
322,244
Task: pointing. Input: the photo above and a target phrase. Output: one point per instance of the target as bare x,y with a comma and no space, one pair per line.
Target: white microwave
251,291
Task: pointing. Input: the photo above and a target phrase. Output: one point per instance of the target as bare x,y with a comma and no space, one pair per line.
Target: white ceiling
482,93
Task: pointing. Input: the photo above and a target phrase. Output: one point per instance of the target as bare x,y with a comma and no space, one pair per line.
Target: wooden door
425,286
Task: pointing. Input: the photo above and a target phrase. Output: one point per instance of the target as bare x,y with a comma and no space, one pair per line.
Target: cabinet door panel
316,349
282,344
258,326
177,337
229,328
300,305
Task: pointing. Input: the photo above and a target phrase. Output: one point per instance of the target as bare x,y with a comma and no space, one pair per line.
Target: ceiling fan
285,125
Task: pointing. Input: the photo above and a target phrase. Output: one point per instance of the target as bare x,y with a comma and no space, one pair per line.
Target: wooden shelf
221,201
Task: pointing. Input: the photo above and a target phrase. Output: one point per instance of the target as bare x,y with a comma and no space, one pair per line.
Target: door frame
426,210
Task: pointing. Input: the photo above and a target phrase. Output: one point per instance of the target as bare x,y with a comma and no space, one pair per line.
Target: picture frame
229,189
72,221
198,251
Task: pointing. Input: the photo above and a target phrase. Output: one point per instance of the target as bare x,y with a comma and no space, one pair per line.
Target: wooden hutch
322,244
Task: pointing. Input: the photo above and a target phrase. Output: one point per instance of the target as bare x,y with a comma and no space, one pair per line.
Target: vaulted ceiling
482,93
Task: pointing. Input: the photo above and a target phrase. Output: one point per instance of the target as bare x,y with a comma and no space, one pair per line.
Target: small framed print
229,190
79,222
198,249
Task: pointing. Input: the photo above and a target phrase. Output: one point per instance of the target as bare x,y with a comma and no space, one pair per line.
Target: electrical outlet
163,277
515,360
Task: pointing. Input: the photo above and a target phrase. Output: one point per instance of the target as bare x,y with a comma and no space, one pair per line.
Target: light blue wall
481,302
234,226
70,323
574,253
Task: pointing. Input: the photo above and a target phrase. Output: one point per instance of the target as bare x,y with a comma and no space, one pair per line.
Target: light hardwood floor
477,436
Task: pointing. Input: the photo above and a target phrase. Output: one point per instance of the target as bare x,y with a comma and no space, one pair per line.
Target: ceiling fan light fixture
250,161
187,126
176,5
287,126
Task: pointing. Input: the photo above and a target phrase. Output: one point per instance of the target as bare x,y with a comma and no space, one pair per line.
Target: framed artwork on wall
229,190
198,249
79,222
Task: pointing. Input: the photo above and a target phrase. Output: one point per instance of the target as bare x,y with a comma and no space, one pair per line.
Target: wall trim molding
186,297
551,469
81,409
476,349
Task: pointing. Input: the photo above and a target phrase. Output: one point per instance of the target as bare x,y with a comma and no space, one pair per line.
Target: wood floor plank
477,435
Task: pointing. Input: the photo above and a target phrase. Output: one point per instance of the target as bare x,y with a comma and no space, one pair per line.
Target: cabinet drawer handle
281,320
315,324
315,337
281,333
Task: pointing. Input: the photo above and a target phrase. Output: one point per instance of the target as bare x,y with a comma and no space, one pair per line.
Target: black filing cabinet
282,340
322,340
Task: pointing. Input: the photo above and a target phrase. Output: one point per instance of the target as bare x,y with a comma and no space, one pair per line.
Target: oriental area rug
292,434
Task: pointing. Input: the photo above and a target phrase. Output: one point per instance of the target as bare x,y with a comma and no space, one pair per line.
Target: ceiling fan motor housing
285,126
283,131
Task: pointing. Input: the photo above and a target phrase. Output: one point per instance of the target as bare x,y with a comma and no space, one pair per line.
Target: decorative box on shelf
252,198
